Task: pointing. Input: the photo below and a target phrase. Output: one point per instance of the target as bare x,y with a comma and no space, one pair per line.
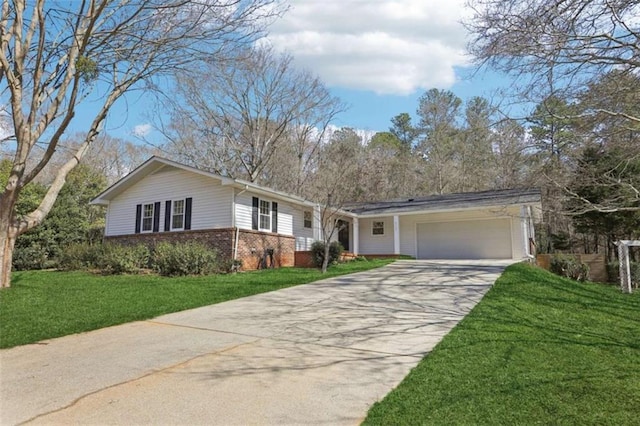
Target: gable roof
459,201
464,200
155,164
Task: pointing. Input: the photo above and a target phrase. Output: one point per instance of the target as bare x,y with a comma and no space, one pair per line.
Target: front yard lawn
46,304
538,349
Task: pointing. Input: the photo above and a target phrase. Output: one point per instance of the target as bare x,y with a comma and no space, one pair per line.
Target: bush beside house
317,252
179,259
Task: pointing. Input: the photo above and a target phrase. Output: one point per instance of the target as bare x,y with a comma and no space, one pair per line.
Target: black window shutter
254,215
274,217
156,217
167,216
187,213
138,217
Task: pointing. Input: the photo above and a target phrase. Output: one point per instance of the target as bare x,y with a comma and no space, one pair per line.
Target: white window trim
373,222
304,220
184,208
261,215
142,218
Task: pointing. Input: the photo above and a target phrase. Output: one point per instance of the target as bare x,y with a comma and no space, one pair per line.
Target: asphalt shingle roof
448,201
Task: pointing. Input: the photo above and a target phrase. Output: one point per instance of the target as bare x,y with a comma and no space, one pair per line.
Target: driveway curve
320,353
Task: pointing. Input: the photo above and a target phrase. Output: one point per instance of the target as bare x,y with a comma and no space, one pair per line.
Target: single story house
163,200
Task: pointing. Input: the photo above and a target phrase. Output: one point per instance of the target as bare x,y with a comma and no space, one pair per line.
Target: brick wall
219,239
303,259
251,244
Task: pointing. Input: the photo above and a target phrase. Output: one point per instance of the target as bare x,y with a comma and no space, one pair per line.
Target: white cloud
390,47
142,130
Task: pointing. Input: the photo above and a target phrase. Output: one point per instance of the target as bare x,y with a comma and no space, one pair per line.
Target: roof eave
147,168
240,184
424,209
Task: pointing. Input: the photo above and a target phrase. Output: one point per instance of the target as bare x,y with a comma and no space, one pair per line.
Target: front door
343,234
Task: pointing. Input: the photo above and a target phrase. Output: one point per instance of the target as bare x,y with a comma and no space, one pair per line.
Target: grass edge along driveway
47,304
538,349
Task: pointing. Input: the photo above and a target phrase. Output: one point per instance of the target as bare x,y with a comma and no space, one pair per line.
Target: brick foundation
251,244
303,259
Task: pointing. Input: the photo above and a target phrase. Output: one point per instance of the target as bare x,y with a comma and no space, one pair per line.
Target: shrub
30,257
231,265
569,268
317,252
107,258
184,259
119,259
79,256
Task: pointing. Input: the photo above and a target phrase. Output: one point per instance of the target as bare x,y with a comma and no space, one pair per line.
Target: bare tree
231,117
53,55
115,158
566,47
575,40
610,156
336,182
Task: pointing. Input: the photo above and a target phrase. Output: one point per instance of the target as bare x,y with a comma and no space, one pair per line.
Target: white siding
244,209
373,244
285,218
518,238
376,244
211,201
304,236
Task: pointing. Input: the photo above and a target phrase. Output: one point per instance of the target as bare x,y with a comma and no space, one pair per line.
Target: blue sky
378,56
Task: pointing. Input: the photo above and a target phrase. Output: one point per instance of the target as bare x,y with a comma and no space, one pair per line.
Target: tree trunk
325,261
7,243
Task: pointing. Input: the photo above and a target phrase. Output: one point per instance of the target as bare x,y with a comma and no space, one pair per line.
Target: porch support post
356,236
524,227
396,234
317,223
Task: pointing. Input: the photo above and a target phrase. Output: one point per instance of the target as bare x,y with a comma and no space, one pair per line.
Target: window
147,217
378,228
307,219
177,215
265,215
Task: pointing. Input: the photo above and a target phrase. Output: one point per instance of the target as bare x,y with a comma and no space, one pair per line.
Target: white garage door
480,239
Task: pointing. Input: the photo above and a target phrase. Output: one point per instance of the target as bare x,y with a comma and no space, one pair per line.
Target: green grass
45,304
538,349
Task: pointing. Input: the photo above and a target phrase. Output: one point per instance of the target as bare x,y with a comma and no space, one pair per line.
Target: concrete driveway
320,353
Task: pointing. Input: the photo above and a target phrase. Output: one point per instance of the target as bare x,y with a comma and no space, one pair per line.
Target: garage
477,239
